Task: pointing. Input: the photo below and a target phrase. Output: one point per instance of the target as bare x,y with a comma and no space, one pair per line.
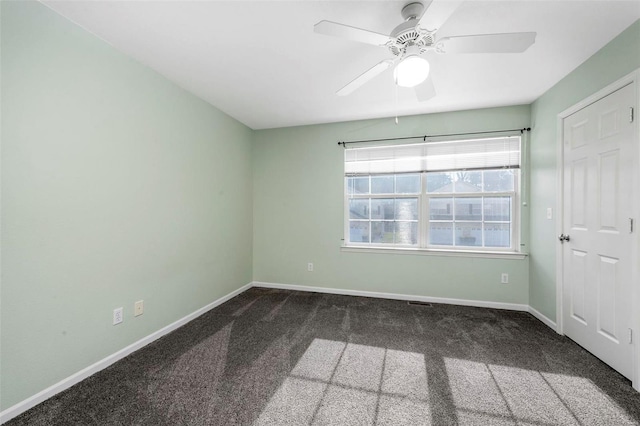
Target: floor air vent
423,304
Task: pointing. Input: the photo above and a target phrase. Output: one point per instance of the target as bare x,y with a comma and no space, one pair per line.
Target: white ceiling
261,62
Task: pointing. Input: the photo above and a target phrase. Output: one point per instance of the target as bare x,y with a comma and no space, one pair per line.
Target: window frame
515,230
424,221
382,196
348,219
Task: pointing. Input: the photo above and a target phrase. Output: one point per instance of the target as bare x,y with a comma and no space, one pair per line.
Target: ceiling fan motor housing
407,34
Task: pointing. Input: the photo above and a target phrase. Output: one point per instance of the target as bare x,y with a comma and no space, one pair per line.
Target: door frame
631,78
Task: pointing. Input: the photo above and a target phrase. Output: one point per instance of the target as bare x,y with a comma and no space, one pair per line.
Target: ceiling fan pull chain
396,86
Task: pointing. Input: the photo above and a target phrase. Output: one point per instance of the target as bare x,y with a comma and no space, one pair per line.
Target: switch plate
310,267
505,278
138,308
549,213
118,316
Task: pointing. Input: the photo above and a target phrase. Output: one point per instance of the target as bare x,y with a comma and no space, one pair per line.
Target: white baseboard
395,296
47,393
543,318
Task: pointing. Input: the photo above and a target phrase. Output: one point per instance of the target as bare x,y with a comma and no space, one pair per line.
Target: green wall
298,214
116,186
617,59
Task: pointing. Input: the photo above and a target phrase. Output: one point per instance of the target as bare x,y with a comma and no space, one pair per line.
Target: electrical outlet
505,278
138,308
117,316
310,267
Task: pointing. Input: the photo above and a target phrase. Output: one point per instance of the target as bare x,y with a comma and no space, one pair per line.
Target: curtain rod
424,138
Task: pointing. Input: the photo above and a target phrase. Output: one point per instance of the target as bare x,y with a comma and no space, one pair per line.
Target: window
455,195
384,209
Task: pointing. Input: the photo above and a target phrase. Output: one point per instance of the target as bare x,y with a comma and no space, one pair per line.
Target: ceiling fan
417,35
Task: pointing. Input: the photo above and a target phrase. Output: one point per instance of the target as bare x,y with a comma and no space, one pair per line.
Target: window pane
358,232
496,235
441,234
406,232
469,234
498,180
406,209
382,232
382,184
358,185
407,184
468,208
468,181
441,208
439,182
497,209
359,209
382,208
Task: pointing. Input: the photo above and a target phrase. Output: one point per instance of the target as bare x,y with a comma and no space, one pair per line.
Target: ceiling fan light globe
411,71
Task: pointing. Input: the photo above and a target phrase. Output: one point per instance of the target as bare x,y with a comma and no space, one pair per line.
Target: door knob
563,238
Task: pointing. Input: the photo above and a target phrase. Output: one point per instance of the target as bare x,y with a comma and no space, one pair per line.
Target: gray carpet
272,357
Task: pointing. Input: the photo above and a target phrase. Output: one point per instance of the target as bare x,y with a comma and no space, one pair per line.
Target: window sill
433,252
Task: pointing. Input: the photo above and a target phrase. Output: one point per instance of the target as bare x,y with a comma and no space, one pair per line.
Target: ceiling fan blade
437,14
487,43
350,33
425,90
365,77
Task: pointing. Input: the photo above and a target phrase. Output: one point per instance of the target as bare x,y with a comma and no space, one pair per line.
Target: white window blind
472,154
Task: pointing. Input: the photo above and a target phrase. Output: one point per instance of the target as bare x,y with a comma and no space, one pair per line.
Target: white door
598,207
